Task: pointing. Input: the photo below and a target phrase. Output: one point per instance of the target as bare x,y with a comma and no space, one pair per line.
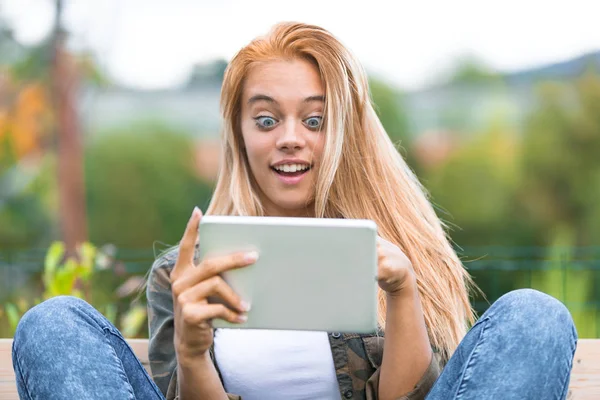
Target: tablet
312,273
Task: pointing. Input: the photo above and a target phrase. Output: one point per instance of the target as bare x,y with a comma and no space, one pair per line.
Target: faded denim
521,348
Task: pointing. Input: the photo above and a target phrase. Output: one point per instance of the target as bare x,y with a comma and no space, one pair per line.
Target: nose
291,137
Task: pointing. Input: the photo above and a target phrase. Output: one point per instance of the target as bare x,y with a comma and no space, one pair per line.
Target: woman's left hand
394,270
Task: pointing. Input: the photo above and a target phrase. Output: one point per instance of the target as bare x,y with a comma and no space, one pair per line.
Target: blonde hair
362,175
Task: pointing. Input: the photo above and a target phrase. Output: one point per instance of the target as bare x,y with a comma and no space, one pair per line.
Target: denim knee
52,315
529,310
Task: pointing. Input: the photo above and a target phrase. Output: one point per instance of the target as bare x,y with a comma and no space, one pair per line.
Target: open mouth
291,170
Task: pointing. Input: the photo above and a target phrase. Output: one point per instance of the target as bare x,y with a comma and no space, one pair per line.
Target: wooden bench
585,378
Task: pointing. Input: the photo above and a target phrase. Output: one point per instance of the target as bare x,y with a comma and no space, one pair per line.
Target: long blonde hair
362,174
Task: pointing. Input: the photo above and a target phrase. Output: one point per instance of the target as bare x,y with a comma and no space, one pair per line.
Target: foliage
501,186
539,186
568,280
561,169
73,275
387,102
141,186
477,185
470,70
25,125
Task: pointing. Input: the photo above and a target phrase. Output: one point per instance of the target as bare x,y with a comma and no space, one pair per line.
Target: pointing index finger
187,245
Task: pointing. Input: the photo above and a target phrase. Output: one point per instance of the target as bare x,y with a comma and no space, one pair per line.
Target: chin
293,206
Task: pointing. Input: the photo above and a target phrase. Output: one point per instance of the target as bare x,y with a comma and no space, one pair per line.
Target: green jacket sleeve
161,350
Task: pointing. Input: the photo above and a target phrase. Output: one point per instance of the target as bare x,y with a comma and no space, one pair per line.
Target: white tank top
269,364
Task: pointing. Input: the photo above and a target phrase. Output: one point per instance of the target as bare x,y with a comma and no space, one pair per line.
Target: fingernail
242,318
245,306
251,256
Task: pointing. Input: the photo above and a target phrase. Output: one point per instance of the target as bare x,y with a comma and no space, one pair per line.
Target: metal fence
570,274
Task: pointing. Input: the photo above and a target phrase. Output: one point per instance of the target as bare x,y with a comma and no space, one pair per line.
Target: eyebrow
269,99
315,98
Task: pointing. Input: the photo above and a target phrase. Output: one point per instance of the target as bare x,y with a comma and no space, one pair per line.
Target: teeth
291,167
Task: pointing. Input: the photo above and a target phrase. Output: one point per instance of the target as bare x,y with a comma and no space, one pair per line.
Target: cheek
253,159
318,146
256,152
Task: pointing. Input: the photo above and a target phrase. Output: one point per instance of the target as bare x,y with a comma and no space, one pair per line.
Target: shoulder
159,276
164,263
166,260
160,273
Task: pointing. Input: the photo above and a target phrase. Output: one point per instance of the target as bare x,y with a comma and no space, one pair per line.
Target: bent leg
64,348
521,348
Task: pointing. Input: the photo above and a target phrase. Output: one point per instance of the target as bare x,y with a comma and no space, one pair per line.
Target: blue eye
313,122
265,122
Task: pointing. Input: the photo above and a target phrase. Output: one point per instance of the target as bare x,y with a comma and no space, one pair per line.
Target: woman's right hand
191,286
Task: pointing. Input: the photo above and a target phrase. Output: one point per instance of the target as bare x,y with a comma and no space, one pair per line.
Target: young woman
301,138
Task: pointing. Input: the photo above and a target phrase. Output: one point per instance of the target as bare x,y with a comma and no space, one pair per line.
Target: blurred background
109,131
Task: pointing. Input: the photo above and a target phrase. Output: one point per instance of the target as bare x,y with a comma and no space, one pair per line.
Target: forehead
295,79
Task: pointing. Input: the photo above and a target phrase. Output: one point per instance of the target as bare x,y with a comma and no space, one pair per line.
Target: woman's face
282,119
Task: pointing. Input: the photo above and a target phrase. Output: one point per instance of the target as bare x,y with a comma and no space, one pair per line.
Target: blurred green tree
476,187
471,70
387,101
27,139
561,189
561,161
141,186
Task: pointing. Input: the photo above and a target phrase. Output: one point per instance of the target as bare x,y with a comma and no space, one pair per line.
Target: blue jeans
521,348
66,349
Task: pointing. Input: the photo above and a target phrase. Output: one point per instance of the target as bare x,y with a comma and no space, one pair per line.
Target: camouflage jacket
357,358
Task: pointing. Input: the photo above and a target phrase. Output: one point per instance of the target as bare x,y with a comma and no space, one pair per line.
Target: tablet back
312,274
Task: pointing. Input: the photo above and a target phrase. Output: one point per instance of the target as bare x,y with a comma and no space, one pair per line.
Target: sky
153,44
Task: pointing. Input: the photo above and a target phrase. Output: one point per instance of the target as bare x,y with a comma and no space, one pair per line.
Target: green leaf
133,321
63,282
84,272
87,254
55,253
70,265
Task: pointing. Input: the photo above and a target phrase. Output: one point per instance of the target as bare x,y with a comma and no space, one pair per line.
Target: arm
197,375
181,336
161,349
407,352
176,376
408,369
